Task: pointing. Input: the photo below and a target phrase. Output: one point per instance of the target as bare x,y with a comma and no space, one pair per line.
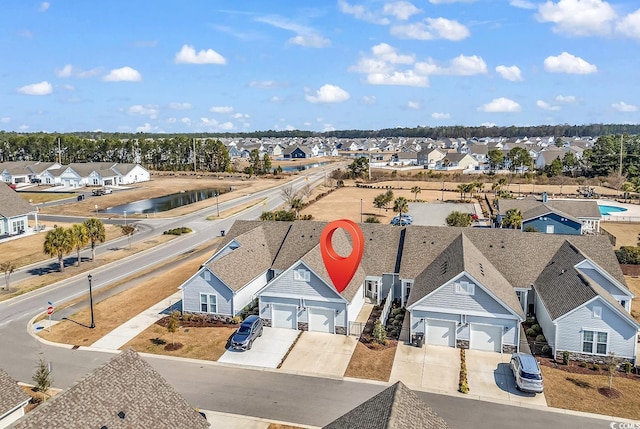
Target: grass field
45,197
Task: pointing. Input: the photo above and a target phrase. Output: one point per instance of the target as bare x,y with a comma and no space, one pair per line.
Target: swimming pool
607,210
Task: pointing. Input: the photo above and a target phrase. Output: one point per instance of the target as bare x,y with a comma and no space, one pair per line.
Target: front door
371,290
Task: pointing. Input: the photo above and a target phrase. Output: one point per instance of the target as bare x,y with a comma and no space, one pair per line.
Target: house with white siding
14,212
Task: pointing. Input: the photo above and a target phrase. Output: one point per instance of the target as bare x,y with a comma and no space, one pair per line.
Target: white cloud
150,110
5,120
23,127
82,74
123,74
431,29
171,120
265,84
523,4
459,66
401,10
41,88
383,60
221,109
188,55
147,128
578,17
328,94
566,99
567,63
179,106
362,13
68,87
305,36
546,106
414,105
624,107
368,100
276,99
44,6
440,115
488,124
240,116
511,73
450,1
500,105
64,71
406,78
630,25
185,120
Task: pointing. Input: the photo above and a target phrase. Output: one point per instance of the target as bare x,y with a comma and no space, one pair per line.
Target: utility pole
59,152
194,155
620,168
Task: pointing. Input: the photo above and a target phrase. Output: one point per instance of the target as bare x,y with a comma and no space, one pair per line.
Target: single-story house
14,212
12,401
572,217
462,287
297,152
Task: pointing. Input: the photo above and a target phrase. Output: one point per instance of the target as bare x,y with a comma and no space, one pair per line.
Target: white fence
629,219
387,307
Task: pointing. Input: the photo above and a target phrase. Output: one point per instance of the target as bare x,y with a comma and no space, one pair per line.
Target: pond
161,204
301,167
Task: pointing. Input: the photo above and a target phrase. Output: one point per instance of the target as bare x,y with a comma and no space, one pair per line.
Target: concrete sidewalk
133,327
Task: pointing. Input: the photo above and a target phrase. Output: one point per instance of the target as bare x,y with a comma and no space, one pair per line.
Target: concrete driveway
267,351
321,354
433,368
490,376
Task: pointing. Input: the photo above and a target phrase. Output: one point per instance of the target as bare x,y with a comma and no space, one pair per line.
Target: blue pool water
607,210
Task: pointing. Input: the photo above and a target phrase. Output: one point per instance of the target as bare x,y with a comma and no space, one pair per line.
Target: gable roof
12,395
12,204
562,287
530,207
462,256
396,407
126,384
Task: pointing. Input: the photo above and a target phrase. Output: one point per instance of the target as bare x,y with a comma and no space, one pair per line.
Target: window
301,275
18,226
465,288
594,342
623,303
597,312
208,303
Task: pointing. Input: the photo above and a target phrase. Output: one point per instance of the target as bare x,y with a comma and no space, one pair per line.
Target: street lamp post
217,204
93,325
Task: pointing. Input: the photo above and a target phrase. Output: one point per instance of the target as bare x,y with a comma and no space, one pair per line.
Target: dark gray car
246,334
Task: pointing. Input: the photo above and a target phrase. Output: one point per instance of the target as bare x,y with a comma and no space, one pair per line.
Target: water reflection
161,204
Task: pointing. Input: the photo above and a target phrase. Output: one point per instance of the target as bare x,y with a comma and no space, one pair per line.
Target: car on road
527,373
101,191
250,329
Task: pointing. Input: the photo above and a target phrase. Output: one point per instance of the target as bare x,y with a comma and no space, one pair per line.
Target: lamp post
125,218
93,325
217,204
360,210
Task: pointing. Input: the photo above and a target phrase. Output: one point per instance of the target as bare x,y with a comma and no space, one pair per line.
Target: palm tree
297,205
626,188
79,237
415,191
128,230
58,242
512,219
96,232
463,190
401,205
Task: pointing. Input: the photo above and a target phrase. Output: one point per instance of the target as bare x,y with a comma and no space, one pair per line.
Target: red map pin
341,269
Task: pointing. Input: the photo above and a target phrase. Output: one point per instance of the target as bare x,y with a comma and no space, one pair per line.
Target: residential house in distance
396,407
14,212
456,161
13,400
462,287
17,172
126,392
297,152
429,157
554,216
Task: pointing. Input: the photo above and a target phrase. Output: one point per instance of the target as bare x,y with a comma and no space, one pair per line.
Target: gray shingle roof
396,407
11,204
127,384
531,207
12,395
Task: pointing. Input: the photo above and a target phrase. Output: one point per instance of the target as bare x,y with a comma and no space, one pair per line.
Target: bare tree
7,267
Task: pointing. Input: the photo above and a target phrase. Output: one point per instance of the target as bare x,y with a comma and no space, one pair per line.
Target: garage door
322,320
441,333
486,337
284,316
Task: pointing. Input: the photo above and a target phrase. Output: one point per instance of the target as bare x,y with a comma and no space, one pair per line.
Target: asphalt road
266,394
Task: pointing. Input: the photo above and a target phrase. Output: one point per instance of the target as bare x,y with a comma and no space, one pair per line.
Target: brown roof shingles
126,384
12,395
12,204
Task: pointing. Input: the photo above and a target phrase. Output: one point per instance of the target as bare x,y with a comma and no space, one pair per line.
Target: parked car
397,221
246,334
35,180
107,191
406,216
527,373
101,191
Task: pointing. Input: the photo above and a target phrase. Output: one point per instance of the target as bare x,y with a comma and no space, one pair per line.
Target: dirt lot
371,364
626,233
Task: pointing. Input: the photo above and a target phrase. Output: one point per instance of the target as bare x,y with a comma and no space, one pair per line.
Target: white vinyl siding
355,305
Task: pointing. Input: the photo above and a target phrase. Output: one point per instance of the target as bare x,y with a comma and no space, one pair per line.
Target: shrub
371,219
530,332
626,366
379,333
396,322
177,231
236,320
396,311
565,358
546,349
582,364
463,385
537,329
541,339
596,367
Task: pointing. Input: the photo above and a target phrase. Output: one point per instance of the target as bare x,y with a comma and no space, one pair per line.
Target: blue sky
196,65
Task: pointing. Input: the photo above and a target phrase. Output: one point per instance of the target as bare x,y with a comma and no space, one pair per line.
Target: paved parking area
490,376
435,214
267,351
321,354
432,368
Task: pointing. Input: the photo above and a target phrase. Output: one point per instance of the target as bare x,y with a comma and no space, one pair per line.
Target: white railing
629,219
387,307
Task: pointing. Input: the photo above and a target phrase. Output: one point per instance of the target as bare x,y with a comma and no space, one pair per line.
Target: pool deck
631,214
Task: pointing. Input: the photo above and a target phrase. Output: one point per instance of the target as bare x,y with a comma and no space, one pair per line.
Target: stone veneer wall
508,348
266,322
303,326
462,344
582,357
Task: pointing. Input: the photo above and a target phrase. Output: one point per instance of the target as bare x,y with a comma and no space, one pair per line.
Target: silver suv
248,331
526,372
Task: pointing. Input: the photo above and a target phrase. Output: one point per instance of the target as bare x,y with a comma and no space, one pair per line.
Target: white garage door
284,316
441,332
322,320
486,337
